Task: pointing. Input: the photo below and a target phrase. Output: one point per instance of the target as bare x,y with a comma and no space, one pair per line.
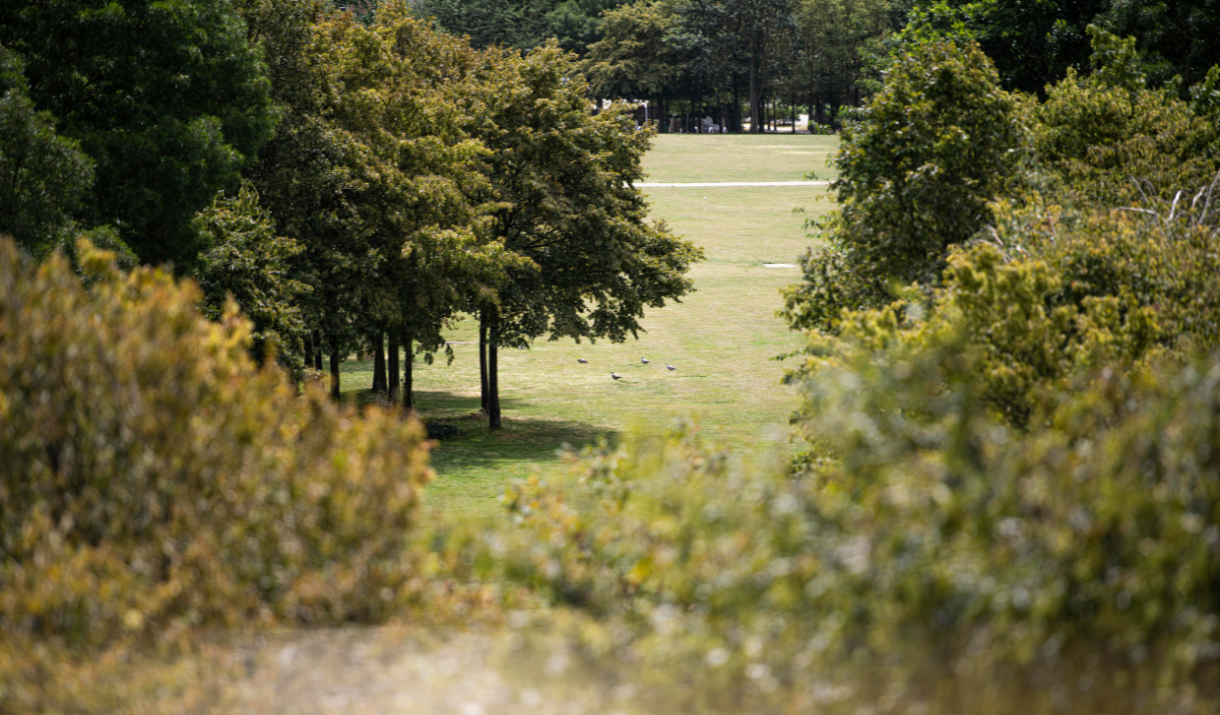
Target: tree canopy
170,100
563,181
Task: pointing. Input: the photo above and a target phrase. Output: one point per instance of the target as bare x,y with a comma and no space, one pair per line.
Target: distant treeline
729,58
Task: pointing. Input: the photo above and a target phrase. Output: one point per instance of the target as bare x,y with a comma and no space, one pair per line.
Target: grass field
721,338
740,157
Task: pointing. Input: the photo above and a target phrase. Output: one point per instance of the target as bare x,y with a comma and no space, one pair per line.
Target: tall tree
313,175
403,86
832,35
43,176
1175,38
522,24
1032,44
637,56
563,182
741,36
169,98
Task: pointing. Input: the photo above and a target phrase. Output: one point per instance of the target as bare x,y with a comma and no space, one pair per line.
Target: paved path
713,184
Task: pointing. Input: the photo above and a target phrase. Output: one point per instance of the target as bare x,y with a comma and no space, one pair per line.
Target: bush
1057,292
938,558
153,479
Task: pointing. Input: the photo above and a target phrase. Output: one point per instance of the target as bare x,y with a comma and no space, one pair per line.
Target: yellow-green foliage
153,479
1051,294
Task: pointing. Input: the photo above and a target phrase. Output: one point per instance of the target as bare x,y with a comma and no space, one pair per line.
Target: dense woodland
1008,493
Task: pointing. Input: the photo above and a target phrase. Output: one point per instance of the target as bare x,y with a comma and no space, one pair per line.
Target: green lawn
721,339
740,157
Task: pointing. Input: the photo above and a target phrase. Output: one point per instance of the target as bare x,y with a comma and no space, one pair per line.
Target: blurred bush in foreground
940,558
154,480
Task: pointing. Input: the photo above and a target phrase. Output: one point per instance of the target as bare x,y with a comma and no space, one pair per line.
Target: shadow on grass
532,439
474,468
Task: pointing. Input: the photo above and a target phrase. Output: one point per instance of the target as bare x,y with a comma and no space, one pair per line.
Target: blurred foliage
933,556
153,480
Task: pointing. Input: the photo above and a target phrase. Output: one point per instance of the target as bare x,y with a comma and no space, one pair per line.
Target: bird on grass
582,361
616,376
645,360
671,367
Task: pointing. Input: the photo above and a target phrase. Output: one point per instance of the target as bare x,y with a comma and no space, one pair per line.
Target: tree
1105,131
740,35
372,174
576,24
1175,38
522,24
312,174
1031,43
562,179
936,145
169,99
249,264
404,85
635,57
832,35
43,176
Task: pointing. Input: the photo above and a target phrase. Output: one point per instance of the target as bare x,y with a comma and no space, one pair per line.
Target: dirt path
388,671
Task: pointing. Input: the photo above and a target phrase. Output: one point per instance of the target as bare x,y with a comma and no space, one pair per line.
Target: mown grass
740,157
721,339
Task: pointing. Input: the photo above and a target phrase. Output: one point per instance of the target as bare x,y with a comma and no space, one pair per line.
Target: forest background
1010,478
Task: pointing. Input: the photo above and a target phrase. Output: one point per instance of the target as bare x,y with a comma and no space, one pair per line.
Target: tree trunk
408,375
317,356
792,111
380,383
392,370
483,359
334,368
308,349
756,110
493,378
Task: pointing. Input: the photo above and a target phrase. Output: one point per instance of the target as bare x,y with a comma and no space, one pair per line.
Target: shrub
940,558
153,479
